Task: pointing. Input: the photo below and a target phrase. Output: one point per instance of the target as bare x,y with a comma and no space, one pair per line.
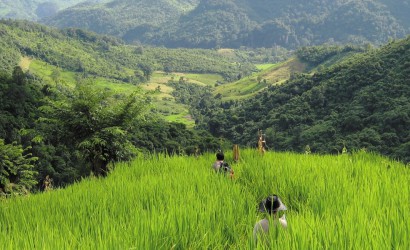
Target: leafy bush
17,174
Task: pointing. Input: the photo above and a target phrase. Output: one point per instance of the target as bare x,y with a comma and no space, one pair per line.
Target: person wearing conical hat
275,208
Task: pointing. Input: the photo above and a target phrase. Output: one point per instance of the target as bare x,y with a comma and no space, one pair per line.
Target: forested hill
362,102
234,23
123,17
96,55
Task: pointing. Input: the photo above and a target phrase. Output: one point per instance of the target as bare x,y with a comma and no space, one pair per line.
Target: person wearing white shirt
275,208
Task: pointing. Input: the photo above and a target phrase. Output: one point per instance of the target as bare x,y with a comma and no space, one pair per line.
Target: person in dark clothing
220,157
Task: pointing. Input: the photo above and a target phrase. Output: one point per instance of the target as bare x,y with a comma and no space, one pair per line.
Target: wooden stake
236,152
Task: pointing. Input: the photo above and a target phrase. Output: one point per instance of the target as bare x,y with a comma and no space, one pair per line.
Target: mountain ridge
235,23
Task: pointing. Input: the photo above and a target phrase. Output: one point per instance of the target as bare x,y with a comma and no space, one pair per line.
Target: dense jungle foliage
362,102
235,23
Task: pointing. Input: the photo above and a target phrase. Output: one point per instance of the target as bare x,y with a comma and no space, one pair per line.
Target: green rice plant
349,201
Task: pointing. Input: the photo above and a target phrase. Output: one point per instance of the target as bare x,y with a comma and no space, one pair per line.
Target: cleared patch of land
227,52
269,74
25,63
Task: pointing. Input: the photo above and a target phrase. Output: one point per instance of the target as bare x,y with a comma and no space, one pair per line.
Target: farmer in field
219,161
274,207
220,166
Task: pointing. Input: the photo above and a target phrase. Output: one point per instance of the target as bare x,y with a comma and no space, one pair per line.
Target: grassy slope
354,201
272,73
249,86
244,88
45,70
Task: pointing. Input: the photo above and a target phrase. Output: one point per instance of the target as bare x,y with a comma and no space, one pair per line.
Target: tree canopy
97,123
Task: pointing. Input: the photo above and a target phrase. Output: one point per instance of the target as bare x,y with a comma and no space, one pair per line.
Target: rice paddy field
349,201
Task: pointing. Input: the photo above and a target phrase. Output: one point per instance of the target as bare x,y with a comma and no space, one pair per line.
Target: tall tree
98,122
17,174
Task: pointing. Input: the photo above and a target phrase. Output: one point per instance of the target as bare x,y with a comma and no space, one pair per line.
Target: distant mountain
36,9
123,18
235,23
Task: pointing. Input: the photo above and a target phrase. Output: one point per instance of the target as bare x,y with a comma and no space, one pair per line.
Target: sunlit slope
275,74
269,74
357,201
